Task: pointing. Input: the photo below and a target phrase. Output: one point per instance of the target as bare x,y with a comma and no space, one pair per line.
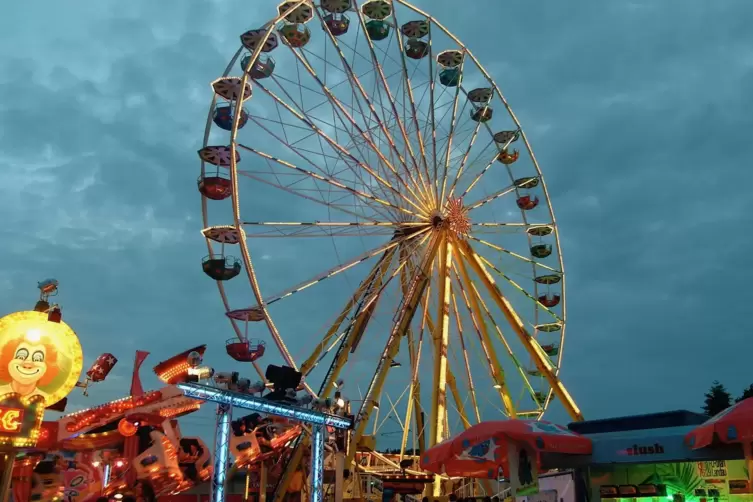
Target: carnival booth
514,449
678,456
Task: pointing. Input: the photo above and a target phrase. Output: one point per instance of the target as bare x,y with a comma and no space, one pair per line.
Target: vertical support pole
262,482
221,447
317,463
106,475
441,341
748,454
247,489
339,467
7,476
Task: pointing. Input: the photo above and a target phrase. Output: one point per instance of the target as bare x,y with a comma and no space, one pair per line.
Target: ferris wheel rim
236,198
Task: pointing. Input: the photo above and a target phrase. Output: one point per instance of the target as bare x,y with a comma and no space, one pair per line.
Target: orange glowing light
126,428
11,419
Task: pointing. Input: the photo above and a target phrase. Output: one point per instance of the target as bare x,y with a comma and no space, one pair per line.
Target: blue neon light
317,464
222,440
261,405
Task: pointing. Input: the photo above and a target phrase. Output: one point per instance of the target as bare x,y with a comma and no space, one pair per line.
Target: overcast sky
639,112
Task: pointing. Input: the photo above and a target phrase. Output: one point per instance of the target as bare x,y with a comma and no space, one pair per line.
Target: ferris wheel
367,178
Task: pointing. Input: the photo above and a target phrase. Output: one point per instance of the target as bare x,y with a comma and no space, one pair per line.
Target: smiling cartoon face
29,363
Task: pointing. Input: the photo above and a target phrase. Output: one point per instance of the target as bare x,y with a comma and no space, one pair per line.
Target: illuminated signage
38,358
652,449
11,420
20,420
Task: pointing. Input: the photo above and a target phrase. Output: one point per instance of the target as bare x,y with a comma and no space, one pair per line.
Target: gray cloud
638,113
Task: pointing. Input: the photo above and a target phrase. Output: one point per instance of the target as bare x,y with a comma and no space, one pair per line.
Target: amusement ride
387,256
359,155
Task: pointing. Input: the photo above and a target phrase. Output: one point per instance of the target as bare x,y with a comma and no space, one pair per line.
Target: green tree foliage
717,399
746,394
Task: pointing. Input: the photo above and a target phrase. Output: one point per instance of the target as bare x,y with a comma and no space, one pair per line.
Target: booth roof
678,418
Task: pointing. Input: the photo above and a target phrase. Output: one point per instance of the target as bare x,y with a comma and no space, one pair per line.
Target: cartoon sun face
29,363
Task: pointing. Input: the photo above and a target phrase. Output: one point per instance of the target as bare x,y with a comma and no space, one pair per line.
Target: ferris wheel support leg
293,464
534,350
221,450
405,315
377,274
414,353
495,368
441,341
452,383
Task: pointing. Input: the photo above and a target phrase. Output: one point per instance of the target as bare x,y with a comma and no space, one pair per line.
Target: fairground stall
676,455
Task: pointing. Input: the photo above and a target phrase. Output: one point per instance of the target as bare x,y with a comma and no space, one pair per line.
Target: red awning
733,425
482,449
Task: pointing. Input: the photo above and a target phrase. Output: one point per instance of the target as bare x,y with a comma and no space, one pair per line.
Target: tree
746,394
717,399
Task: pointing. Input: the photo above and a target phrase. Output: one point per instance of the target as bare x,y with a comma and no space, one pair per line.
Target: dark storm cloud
639,113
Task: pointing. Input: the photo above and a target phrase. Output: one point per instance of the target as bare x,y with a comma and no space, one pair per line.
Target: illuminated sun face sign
38,357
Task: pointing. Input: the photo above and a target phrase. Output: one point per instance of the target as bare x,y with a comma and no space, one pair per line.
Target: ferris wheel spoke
370,296
336,102
506,224
543,364
450,377
390,98
432,121
518,287
323,228
335,183
414,354
343,267
514,255
363,300
298,193
357,86
307,158
473,300
459,403
467,153
413,112
311,126
495,369
346,153
468,376
490,198
452,131
488,165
